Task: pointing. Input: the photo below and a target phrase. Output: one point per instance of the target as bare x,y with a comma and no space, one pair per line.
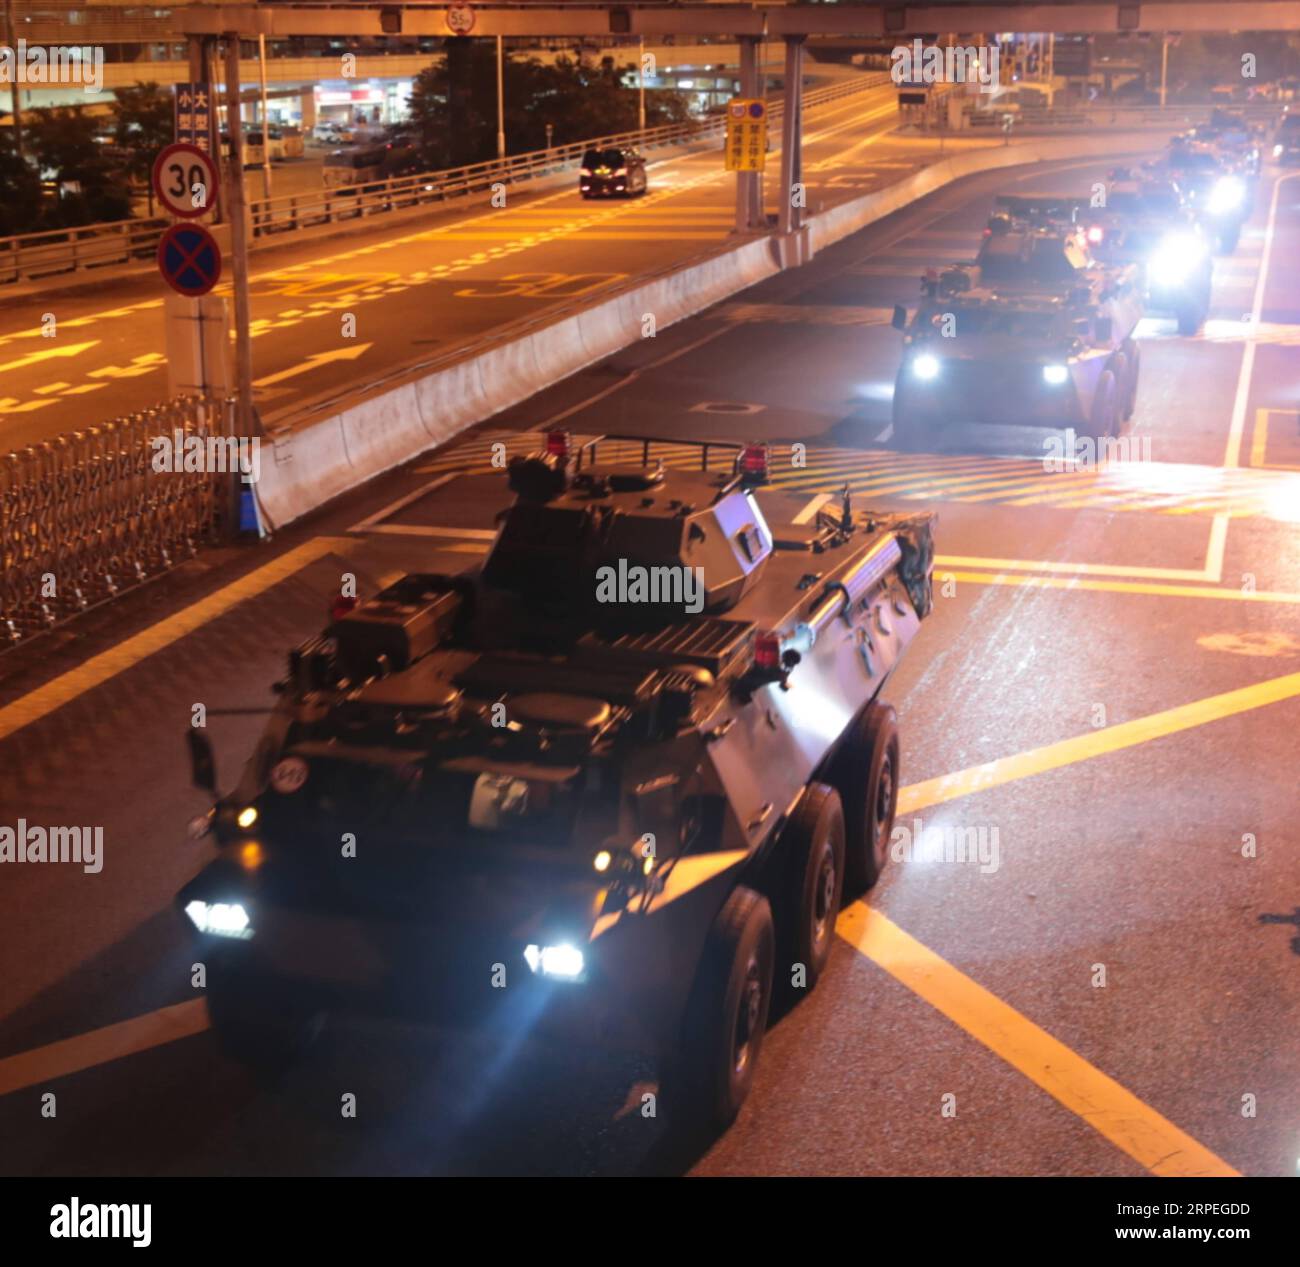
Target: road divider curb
316,458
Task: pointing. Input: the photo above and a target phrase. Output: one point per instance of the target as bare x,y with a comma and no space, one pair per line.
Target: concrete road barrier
322,452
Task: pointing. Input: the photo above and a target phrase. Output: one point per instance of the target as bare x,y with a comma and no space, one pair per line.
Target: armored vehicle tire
814,884
1190,319
263,1031
865,772
1105,408
712,1070
1228,239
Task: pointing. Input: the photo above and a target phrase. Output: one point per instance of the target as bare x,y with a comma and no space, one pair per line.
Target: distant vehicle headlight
1055,375
1227,195
1174,259
221,919
925,366
563,960
1277,151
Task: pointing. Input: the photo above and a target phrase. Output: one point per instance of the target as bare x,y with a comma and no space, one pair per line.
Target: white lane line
1218,543
1237,430
812,508
366,525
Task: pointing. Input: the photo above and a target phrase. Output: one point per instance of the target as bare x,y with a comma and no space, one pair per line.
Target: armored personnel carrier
1142,222
1035,333
610,786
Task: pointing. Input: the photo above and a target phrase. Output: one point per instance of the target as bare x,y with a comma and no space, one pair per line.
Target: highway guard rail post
87,515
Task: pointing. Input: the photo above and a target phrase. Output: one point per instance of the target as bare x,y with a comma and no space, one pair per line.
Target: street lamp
501,102
641,83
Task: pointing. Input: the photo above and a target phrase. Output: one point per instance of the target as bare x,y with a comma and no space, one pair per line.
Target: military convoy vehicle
1219,188
1142,221
1035,333
609,787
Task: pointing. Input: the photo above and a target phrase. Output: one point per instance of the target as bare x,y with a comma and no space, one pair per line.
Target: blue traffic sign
195,110
189,259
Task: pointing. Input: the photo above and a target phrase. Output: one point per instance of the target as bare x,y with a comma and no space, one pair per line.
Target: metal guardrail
1117,116
85,516
31,256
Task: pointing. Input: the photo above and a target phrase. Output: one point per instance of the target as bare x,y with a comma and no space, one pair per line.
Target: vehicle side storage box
401,623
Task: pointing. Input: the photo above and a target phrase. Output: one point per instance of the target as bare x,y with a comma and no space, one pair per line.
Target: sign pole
501,104
237,205
13,83
266,122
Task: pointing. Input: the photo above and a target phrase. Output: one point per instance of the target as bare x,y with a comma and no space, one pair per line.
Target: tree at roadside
454,103
90,186
145,124
20,207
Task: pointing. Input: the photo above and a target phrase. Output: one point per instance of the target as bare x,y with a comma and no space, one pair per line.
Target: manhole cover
726,407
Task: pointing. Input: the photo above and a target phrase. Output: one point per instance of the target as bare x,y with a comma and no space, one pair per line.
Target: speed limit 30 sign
185,180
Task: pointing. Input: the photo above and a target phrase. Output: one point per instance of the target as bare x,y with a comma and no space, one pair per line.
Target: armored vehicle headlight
1226,195
1055,375
1175,258
247,816
562,960
925,366
221,919
1277,149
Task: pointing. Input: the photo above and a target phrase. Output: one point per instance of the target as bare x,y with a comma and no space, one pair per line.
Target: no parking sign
189,259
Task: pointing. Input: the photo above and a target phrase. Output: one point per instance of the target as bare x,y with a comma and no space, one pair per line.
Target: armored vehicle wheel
264,1031
1134,355
1190,320
710,1074
1228,239
865,772
1105,407
814,884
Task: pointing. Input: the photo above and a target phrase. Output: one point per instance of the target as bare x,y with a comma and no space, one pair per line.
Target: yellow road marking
1130,587
316,361
48,354
42,1065
99,669
1118,1115
1259,442
1097,743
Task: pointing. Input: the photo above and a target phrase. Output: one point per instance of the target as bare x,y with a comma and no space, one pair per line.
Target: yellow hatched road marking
1129,1123
1097,743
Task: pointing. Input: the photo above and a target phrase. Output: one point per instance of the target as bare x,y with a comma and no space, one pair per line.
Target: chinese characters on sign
746,135
194,115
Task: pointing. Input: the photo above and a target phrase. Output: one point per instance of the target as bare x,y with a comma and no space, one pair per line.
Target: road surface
1107,696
